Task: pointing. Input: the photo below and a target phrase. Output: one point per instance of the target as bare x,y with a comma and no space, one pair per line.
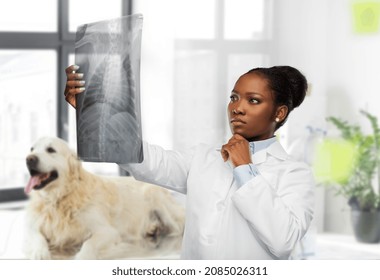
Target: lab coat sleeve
162,167
278,214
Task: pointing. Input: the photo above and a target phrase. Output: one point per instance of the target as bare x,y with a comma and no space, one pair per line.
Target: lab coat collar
257,146
275,149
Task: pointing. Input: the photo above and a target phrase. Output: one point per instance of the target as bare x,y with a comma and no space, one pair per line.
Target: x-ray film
108,112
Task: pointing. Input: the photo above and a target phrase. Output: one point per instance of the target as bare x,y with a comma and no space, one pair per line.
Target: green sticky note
366,17
334,161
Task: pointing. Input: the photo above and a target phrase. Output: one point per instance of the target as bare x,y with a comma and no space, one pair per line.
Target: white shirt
263,219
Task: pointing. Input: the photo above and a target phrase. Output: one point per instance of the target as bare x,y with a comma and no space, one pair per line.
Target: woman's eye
233,98
254,101
50,150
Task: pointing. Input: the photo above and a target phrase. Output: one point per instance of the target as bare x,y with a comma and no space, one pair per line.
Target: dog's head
49,160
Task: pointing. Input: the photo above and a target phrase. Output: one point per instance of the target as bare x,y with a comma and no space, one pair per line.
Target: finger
75,91
233,141
224,152
71,69
75,83
71,100
75,76
238,137
70,95
225,155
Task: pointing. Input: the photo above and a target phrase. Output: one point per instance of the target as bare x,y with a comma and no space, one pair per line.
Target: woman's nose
237,109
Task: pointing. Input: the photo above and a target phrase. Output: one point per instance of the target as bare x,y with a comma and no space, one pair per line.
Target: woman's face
251,110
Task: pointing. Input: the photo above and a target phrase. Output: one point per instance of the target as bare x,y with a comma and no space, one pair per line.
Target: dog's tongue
33,181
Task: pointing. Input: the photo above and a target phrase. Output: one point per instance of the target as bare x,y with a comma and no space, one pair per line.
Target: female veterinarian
247,199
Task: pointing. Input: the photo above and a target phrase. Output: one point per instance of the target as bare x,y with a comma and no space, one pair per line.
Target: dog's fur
84,216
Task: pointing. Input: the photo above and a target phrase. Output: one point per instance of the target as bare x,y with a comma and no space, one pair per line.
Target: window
27,107
42,19
84,11
192,53
200,46
194,19
35,44
250,22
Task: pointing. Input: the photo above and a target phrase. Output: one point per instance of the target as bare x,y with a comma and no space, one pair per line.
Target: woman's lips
236,121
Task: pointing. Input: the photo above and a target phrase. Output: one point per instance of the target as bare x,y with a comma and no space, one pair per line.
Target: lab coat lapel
226,175
275,150
259,157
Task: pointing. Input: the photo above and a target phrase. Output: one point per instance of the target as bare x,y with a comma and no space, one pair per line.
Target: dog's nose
32,161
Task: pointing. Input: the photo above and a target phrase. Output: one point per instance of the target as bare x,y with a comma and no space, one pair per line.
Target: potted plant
362,185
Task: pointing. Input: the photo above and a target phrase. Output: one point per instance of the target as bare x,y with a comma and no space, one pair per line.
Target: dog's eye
31,149
50,150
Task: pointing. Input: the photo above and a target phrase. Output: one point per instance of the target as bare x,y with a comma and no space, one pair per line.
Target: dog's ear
75,165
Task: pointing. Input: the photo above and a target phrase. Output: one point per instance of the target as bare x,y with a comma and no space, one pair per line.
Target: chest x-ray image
108,111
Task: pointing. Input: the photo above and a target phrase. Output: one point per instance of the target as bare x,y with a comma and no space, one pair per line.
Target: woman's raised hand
74,84
237,151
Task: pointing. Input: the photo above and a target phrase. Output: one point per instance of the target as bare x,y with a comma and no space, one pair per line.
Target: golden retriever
73,213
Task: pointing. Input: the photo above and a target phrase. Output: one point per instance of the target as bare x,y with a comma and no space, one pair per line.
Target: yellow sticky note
366,17
334,161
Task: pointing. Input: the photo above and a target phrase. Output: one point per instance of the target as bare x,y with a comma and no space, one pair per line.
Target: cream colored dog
75,214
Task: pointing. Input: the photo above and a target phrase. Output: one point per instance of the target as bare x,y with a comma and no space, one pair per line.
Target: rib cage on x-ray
108,112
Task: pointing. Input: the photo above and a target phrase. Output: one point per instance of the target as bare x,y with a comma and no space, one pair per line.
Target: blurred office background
192,53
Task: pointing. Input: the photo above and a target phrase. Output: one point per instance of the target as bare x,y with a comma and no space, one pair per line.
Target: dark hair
288,85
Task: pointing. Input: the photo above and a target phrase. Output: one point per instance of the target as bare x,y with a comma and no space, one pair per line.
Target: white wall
301,42
156,72
353,65
301,38
352,84
317,36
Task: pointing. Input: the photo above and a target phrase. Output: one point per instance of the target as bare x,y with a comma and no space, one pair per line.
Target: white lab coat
263,219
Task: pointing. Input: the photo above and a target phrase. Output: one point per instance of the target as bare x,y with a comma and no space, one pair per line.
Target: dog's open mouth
40,180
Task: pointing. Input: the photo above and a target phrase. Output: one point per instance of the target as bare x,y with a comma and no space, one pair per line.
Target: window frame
224,47
62,41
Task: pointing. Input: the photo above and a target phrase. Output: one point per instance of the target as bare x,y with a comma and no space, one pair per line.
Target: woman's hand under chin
237,151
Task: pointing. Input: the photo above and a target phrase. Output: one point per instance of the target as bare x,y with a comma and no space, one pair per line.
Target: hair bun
297,82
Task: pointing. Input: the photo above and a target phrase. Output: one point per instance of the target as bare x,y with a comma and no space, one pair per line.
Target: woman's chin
237,130
241,133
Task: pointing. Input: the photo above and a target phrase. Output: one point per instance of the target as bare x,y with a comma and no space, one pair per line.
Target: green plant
358,187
